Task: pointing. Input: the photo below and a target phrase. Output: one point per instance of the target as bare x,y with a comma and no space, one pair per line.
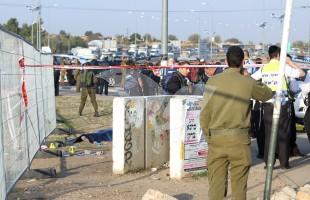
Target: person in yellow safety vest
269,75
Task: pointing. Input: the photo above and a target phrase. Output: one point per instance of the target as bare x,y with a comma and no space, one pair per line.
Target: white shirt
303,86
289,72
250,66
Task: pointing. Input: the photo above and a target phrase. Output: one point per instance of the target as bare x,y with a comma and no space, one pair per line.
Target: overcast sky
227,18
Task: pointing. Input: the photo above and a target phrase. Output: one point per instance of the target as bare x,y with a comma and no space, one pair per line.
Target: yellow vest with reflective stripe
270,74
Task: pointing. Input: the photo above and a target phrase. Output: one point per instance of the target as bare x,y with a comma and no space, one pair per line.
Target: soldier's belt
228,131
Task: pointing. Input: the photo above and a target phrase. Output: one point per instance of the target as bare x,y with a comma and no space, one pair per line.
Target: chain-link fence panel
2,173
27,106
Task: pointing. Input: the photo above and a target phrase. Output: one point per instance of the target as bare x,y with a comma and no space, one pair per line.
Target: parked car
302,91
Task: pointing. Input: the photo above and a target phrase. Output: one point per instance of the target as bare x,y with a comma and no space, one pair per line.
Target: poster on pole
195,145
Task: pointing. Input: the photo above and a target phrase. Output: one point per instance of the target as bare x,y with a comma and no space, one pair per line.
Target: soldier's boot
96,114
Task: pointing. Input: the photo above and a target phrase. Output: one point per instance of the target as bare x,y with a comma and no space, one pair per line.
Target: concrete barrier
157,135
188,149
149,130
128,134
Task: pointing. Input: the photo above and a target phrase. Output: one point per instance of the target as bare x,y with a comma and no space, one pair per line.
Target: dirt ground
89,176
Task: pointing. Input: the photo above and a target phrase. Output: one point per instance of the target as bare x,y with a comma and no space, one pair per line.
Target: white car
303,89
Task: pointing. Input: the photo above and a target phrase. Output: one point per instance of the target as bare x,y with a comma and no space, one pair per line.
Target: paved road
70,90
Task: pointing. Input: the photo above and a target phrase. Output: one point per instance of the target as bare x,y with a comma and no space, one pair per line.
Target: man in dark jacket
178,83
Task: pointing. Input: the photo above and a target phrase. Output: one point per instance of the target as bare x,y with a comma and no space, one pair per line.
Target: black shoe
300,154
295,152
96,114
80,113
285,167
260,156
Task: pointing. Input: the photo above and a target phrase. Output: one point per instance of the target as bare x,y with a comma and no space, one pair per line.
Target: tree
92,36
63,33
135,37
155,39
233,40
172,37
97,36
12,25
88,33
194,38
147,37
77,41
25,32
298,44
217,39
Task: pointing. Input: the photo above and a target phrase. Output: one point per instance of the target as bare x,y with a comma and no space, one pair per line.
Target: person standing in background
294,150
269,74
77,75
251,68
178,83
88,86
56,77
62,72
225,121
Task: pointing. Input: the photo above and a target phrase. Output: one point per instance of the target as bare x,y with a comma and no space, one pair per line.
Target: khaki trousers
226,149
92,94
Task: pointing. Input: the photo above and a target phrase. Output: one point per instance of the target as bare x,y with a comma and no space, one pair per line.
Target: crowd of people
237,100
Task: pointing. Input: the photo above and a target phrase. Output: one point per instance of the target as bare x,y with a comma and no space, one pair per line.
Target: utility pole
308,7
164,31
277,103
211,47
199,37
39,26
33,8
32,33
136,29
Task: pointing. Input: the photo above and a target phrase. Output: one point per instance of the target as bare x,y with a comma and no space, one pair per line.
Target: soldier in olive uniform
225,120
88,86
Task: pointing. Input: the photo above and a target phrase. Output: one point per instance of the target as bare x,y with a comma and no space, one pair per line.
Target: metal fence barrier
22,129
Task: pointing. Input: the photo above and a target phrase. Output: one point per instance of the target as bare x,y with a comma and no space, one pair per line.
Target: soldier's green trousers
92,94
224,149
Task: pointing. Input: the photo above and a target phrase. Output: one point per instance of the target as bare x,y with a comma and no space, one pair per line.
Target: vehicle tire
307,122
307,116
111,81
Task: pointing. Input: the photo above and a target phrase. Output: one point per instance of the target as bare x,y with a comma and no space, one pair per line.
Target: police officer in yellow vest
269,75
225,120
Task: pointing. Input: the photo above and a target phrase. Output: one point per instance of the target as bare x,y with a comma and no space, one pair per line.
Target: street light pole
136,29
199,37
39,23
309,30
277,103
211,47
164,30
33,8
32,33
211,51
